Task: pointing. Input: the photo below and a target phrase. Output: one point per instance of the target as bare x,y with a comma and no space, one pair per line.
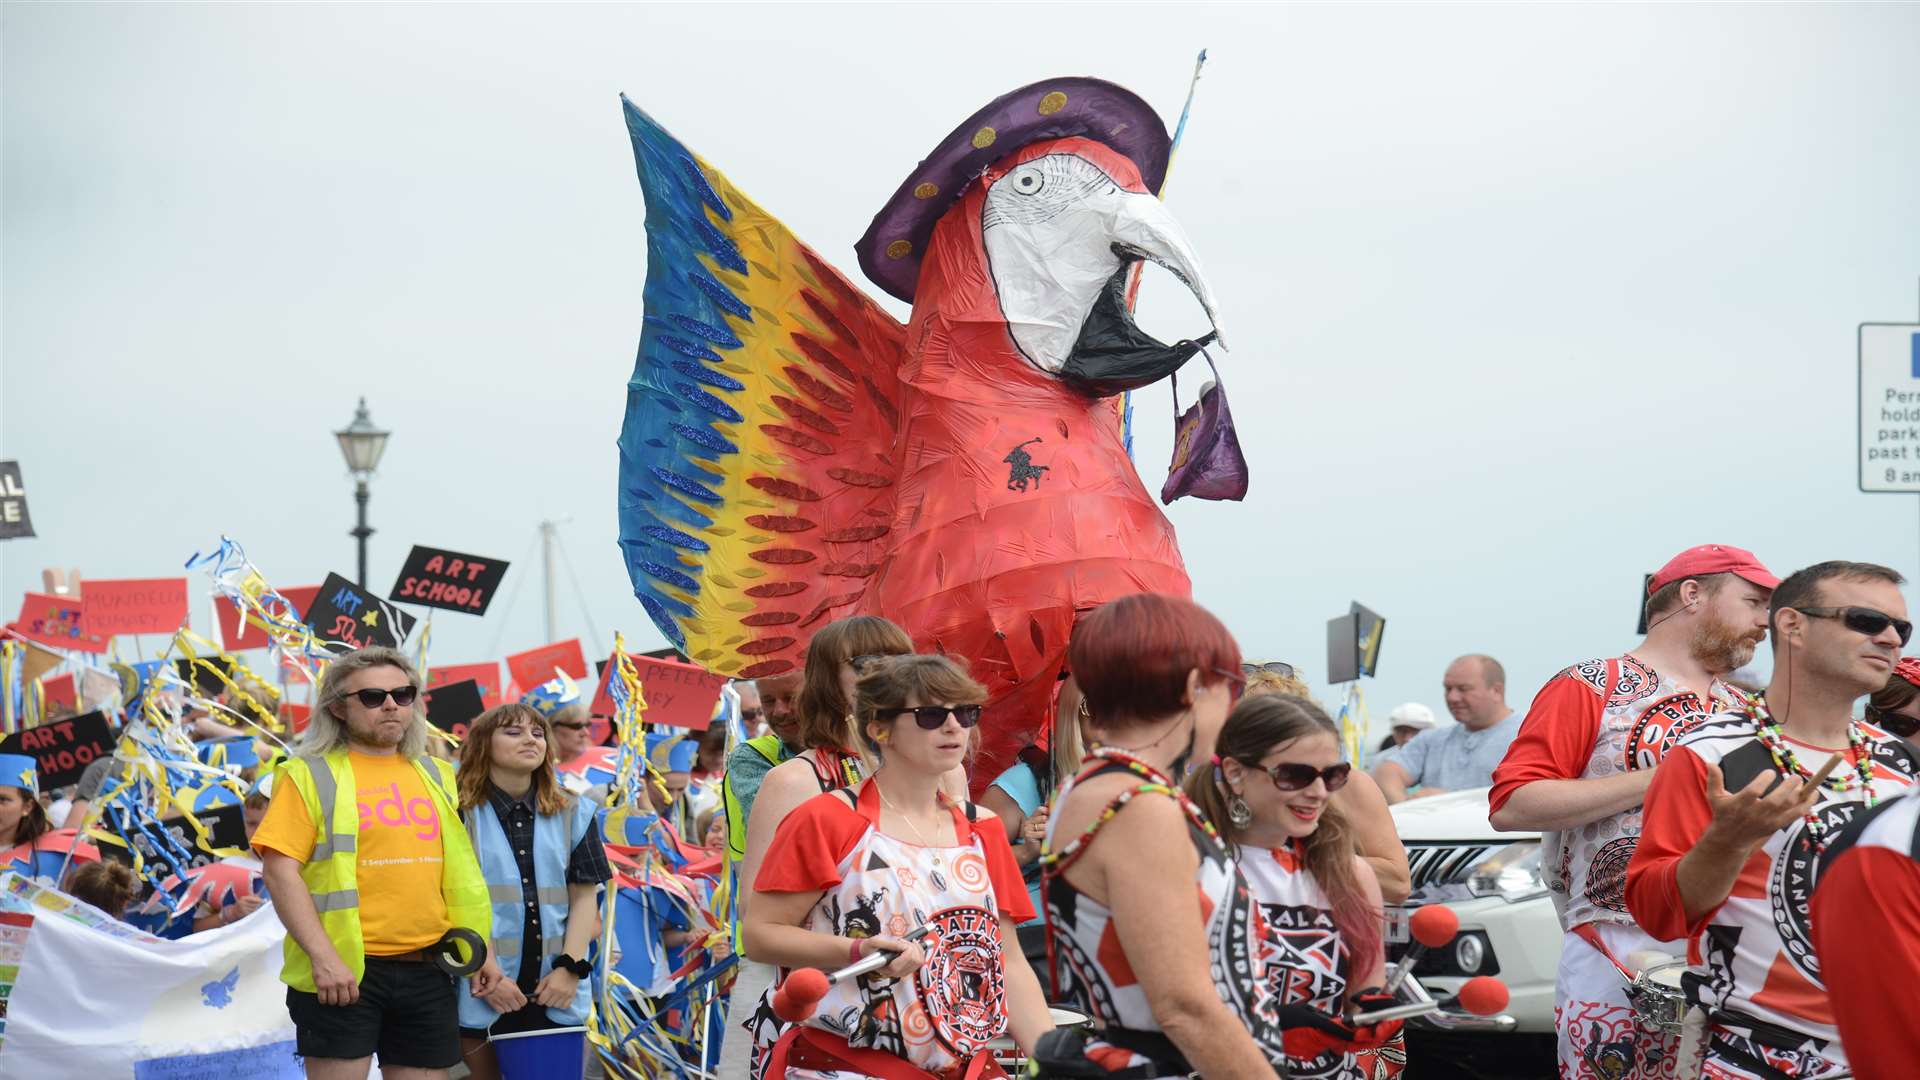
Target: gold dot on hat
984,138
899,249
1052,103
926,191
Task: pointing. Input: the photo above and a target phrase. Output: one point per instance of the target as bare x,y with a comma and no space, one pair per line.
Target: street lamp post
361,444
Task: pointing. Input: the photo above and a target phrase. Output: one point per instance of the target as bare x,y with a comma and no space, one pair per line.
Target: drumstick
1825,771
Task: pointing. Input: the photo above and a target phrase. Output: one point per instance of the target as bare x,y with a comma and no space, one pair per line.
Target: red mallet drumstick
801,990
1482,995
1432,927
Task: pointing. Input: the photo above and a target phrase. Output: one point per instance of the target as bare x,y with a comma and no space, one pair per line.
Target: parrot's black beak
1112,354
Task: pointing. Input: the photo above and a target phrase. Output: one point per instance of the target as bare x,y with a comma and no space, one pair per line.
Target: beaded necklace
1775,740
1157,783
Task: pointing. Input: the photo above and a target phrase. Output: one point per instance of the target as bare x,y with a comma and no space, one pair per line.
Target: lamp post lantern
361,443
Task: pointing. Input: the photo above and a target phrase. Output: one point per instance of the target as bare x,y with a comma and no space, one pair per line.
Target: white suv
1508,928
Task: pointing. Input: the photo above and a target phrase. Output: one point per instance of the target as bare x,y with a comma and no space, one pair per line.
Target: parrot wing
756,456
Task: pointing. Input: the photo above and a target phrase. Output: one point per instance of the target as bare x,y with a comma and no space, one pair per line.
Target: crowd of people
1184,856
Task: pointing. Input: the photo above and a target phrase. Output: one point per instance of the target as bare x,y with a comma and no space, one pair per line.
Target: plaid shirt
587,865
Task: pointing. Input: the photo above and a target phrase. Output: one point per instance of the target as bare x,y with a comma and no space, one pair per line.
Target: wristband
853,957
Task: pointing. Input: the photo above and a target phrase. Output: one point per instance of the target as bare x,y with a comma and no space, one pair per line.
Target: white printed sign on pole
1890,407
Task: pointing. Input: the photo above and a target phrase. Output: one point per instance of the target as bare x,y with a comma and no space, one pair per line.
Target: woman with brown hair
823,712
541,855
1149,923
1895,707
1360,801
854,870
1275,767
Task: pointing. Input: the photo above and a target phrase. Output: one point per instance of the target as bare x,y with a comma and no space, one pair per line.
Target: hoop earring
1239,814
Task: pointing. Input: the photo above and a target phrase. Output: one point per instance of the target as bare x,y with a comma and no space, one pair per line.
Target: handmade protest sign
678,694
535,666
226,828
135,605
238,635
15,522
59,621
60,692
63,748
487,675
204,674
350,615
453,707
448,579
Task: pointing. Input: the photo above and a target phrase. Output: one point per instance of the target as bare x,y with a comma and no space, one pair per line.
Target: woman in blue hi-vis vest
541,855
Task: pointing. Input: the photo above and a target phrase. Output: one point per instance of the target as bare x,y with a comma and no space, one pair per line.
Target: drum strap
1585,932
810,1048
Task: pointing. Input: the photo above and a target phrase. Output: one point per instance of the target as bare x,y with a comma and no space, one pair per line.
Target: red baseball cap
1909,669
1713,559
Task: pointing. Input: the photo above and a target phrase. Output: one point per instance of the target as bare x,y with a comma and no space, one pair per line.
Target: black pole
361,532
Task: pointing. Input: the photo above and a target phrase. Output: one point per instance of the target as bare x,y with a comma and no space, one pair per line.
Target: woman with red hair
1172,973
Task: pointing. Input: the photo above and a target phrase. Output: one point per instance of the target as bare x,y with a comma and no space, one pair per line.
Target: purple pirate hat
1052,109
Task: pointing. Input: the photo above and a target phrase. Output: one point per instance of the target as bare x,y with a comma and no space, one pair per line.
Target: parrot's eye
1028,181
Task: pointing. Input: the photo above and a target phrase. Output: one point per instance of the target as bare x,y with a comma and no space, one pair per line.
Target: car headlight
1511,873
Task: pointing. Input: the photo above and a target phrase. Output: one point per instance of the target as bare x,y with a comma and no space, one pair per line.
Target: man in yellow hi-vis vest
370,867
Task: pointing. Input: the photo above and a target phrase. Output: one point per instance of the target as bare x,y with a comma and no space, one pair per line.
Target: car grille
1443,864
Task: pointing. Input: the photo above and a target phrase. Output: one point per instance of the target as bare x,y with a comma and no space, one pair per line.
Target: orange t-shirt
399,861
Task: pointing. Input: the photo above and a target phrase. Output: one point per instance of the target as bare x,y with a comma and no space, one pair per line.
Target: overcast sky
1523,299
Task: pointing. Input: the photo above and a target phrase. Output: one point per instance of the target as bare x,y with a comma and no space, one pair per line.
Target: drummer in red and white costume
1734,830
1866,932
1579,769
855,870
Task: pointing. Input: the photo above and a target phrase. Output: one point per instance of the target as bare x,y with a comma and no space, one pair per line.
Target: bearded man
1579,770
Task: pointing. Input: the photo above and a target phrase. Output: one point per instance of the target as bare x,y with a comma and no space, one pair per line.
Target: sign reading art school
448,579
344,612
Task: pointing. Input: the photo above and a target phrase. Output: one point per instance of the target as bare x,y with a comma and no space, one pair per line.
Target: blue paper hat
549,698
672,752
19,770
238,753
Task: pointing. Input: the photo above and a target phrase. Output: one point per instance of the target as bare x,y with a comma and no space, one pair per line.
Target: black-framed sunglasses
1277,667
934,717
1293,776
574,725
1862,620
402,696
750,715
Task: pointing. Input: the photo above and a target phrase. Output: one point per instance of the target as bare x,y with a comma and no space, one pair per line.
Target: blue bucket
553,1054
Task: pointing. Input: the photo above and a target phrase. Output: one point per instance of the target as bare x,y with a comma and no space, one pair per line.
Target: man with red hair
1580,768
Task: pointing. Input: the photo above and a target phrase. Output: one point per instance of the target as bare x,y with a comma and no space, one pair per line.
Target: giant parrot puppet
792,454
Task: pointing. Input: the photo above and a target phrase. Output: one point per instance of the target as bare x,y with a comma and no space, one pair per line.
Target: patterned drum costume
1597,719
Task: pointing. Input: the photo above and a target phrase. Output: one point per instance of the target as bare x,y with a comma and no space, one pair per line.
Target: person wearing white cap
1405,721
1580,768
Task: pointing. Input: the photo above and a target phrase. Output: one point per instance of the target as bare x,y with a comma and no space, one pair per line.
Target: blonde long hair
327,730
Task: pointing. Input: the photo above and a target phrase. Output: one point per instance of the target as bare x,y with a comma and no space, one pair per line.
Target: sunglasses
934,717
402,696
1293,776
1277,667
1862,620
575,725
751,714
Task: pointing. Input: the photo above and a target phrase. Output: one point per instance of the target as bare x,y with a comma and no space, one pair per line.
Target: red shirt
812,843
1866,930
1755,949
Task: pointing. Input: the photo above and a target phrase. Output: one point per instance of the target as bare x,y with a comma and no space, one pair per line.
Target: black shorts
529,1017
408,1013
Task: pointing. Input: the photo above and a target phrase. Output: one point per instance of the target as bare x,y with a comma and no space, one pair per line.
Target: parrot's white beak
1061,237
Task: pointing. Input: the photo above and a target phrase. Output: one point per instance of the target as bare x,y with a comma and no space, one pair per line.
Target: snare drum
1007,1053
1657,996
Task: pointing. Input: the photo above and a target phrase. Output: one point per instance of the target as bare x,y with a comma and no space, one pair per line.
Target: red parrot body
792,455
